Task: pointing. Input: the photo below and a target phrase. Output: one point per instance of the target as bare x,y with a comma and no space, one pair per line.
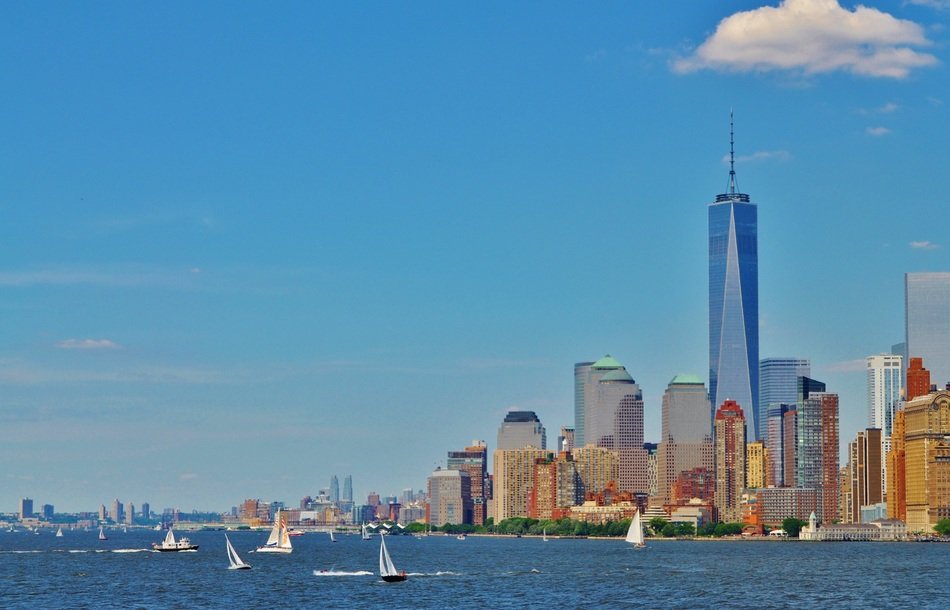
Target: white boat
279,539
169,544
386,568
102,534
365,530
236,563
635,532
332,538
544,535
158,527
59,533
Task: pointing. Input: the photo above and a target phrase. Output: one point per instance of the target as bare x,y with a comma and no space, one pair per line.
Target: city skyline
361,235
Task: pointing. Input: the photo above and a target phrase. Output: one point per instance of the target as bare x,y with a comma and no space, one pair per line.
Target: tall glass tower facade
927,318
734,304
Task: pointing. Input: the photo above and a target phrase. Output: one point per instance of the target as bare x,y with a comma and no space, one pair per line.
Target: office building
474,461
521,429
816,446
775,504
565,440
778,394
863,485
129,516
652,474
26,508
556,487
46,511
927,460
927,322
450,497
734,301
686,432
334,489
885,388
730,431
115,513
586,377
348,488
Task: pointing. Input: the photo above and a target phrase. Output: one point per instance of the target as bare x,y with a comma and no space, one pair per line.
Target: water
78,571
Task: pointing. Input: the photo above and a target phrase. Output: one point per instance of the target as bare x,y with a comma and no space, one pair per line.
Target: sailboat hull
244,567
273,549
395,578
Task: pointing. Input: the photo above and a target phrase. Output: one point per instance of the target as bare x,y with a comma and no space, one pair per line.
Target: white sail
544,534
102,534
169,538
332,539
386,567
635,532
233,559
365,531
275,531
279,539
59,533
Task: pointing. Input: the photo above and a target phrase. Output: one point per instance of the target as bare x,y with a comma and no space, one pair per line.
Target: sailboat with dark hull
387,570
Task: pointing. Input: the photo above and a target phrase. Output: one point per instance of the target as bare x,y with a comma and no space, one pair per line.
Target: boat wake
439,573
131,550
21,552
341,573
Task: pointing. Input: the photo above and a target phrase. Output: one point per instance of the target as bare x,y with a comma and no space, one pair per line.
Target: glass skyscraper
927,311
778,394
734,304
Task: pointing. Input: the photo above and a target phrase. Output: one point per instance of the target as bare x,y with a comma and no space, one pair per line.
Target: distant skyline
246,249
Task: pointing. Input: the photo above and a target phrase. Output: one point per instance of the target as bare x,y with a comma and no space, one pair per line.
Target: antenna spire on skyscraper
732,156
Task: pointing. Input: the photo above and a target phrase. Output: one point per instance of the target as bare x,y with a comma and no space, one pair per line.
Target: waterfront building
597,467
816,451
789,434
102,512
450,498
26,508
348,488
775,504
730,432
876,530
556,487
696,484
474,460
521,429
757,465
734,300
686,432
778,393
116,512
47,512
927,460
885,393
613,419
927,321
129,513
147,511
862,483
513,474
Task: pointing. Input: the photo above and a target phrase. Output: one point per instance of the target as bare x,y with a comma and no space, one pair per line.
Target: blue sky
249,247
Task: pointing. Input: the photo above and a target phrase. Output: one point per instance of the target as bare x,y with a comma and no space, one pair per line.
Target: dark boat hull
395,578
193,547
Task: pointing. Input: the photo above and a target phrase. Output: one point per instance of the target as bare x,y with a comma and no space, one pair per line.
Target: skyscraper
734,301
816,440
348,488
586,377
26,508
334,489
450,497
730,430
686,434
614,420
927,322
864,484
521,429
885,386
918,379
927,460
778,394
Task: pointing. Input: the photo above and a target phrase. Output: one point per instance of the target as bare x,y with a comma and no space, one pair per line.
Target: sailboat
544,535
235,562
386,568
169,544
635,532
279,540
332,539
102,534
365,531
59,533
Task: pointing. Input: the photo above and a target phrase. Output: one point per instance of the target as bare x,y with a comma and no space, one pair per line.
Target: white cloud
812,37
924,245
877,131
87,344
761,155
